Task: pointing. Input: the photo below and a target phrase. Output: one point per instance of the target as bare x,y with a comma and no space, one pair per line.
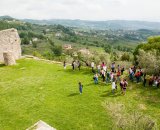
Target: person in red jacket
118,75
137,75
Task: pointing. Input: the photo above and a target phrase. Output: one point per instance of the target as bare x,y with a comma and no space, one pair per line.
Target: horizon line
153,21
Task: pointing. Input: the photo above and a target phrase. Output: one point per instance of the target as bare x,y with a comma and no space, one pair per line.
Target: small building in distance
58,34
35,39
10,42
67,47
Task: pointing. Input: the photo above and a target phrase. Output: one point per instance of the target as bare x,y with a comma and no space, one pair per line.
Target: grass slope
35,90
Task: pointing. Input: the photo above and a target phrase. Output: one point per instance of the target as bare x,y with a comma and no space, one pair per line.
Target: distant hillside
112,24
6,17
98,25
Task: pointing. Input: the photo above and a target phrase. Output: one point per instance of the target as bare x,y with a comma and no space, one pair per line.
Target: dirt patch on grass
142,106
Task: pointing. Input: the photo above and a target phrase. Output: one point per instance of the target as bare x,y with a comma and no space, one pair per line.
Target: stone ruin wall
10,42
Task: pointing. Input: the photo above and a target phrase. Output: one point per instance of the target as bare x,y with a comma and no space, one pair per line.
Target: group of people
154,81
110,75
138,75
75,64
113,75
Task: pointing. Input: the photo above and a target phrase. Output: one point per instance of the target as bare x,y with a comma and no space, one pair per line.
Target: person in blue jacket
80,87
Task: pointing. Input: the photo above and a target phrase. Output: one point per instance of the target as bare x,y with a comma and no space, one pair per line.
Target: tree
57,50
150,61
108,48
34,44
25,41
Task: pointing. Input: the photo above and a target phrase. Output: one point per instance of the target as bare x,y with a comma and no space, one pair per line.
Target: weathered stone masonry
10,42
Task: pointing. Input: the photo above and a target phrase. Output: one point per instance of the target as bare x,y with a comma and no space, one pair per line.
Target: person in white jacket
113,86
92,66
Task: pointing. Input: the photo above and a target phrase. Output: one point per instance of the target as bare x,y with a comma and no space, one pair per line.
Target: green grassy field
35,90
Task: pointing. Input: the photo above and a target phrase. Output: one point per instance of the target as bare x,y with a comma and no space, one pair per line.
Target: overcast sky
148,10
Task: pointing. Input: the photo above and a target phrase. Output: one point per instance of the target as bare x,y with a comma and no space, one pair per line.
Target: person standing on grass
119,68
103,64
122,70
64,64
137,75
99,68
118,75
144,80
113,67
79,65
73,65
125,86
95,78
105,68
107,77
111,76
130,73
151,80
158,82
121,85
92,66
103,75
113,87
80,87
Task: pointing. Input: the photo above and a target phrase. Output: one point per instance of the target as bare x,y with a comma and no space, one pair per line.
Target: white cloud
82,9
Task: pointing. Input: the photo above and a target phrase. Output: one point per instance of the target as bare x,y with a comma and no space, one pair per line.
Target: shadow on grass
73,94
149,94
83,71
110,94
100,84
2,65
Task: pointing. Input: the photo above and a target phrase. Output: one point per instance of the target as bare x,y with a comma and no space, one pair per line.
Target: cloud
82,9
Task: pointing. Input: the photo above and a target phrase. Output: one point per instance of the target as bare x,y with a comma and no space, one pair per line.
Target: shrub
34,44
57,50
48,55
37,54
125,57
128,119
25,41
